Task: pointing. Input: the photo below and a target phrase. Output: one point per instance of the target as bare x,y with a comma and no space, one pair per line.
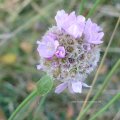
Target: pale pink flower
70,51
72,24
93,33
47,47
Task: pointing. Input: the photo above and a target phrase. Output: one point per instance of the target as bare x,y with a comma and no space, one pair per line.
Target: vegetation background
22,22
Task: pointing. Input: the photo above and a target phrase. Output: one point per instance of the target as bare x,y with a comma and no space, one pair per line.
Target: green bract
44,85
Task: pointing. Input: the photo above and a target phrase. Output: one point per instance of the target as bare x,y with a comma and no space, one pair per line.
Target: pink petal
92,33
77,87
39,67
38,42
60,53
61,87
73,30
70,88
85,85
61,18
56,43
80,19
47,47
44,51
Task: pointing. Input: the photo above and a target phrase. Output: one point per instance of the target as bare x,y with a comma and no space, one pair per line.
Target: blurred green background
22,23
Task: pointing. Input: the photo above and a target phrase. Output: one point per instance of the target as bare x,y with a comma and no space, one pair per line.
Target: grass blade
93,8
21,106
104,85
44,86
81,6
115,98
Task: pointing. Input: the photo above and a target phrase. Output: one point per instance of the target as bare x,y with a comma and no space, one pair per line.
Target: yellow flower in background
9,58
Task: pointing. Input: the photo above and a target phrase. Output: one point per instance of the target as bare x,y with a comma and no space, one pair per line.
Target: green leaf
44,85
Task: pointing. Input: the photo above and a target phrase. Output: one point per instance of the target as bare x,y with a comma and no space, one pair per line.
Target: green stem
93,8
33,94
40,107
115,98
81,6
104,85
44,86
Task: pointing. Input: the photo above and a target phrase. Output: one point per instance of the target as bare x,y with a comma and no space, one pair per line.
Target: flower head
70,51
